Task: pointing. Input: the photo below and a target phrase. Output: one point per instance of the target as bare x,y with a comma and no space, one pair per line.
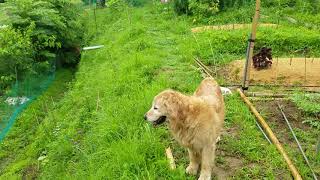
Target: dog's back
210,91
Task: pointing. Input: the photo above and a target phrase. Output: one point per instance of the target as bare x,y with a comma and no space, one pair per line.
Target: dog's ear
181,114
178,109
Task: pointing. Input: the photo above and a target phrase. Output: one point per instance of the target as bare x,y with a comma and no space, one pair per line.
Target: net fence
15,98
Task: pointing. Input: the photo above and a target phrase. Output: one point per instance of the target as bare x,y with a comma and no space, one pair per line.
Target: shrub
203,8
181,6
58,27
136,3
225,4
16,54
39,32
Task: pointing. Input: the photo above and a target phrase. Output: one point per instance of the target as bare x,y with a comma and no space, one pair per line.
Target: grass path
97,130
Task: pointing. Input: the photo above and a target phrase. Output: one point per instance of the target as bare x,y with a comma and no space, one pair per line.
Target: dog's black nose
145,117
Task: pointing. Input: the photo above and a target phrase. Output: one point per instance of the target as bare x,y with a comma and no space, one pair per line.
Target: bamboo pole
246,77
170,157
272,136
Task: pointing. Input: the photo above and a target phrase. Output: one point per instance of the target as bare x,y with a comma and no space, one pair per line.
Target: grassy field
95,130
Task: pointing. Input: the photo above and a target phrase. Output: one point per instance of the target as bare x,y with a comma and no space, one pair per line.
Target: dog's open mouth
159,121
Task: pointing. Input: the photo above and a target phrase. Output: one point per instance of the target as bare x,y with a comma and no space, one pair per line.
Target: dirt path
228,27
285,71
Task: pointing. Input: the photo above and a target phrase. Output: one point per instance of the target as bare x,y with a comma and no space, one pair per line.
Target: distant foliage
203,8
47,29
16,54
136,3
225,4
181,6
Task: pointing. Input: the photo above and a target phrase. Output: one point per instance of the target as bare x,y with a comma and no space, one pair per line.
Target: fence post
246,77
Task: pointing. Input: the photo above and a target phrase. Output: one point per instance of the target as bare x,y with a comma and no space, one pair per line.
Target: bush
45,30
203,8
16,54
225,4
57,25
136,3
181,6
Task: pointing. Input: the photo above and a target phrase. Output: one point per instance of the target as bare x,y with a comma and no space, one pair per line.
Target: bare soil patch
286,71
274,117
228,167
228,27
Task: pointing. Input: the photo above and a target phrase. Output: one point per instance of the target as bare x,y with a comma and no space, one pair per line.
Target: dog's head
163,107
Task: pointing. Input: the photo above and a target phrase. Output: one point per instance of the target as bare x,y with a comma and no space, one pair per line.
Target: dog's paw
205,177
192,169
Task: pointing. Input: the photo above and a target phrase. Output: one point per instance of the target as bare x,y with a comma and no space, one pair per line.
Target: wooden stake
305,69
171,159
277,67
246,77
271,136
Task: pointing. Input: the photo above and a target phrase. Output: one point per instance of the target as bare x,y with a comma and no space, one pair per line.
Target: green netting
21,94
87,2
35,36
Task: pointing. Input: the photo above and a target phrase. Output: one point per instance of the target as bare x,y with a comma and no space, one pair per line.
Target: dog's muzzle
159,121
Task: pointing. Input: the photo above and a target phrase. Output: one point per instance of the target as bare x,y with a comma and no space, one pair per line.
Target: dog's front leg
194,162
207,161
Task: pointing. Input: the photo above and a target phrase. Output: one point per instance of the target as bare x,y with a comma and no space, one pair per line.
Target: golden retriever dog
195,122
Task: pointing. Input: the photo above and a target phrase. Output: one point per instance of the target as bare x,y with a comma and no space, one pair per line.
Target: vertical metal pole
246,77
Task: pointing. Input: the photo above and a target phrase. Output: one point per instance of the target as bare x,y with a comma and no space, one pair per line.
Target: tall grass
97,130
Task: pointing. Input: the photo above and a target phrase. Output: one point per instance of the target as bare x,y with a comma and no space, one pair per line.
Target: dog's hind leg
194,162
207,162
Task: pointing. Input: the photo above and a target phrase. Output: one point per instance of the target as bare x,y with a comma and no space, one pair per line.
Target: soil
228,27
228,168
275,118
30,172
286,71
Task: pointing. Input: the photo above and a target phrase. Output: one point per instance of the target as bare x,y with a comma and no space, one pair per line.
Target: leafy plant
181,6
16,54
136,3
225,4
45,31
203,8
313,122
309,103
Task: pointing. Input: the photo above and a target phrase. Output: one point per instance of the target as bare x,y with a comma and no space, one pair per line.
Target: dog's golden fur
195,122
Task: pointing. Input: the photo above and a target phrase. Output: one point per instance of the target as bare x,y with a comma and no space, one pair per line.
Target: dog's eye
155,108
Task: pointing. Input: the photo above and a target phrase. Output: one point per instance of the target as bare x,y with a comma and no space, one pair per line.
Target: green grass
292,17
97,131
24,131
